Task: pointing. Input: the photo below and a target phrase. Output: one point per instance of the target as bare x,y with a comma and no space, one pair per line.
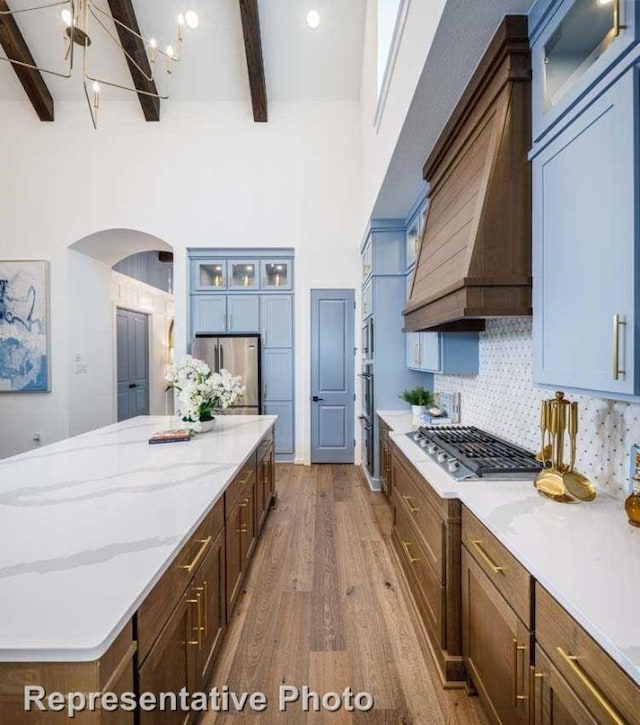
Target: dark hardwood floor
322,606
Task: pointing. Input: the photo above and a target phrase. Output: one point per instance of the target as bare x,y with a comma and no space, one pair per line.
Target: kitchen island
92,532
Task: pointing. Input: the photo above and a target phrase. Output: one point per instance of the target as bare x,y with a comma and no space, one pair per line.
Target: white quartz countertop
586,555
88,526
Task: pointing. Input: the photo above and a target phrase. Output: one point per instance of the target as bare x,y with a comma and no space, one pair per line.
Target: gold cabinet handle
204,544
412,508
204,589
533,676
412,559
517,648
486,558
572,661
198,628
617,321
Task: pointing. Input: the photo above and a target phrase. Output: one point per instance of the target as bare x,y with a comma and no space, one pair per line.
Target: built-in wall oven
367,417
367,339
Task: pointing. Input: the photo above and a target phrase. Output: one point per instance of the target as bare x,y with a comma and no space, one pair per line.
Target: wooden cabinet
385,458
585,230
426,537
583,671
169,666
551,700
265,476
496,646
240,530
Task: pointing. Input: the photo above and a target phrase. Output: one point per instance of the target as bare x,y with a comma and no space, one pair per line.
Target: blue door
332,376
133,364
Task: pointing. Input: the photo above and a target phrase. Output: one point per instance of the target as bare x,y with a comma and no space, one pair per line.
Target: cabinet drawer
162,599
606,691
237,487
511,579
423,580
413,494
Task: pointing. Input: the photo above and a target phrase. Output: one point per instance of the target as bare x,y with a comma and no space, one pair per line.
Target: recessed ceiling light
313,19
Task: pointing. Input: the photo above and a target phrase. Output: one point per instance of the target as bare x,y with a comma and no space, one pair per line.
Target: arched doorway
100,297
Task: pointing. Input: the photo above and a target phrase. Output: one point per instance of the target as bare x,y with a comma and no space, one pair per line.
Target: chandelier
79,18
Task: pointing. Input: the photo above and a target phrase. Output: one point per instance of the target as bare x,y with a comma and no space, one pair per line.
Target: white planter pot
206,425
417,411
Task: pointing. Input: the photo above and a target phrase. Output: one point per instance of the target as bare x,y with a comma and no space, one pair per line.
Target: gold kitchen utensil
559,481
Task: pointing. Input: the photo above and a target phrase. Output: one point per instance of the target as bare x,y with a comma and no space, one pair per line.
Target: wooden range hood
475,254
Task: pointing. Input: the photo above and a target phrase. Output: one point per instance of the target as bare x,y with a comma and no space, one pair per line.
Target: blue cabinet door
413,350
430,358
584,206
283,436
243,313
277,374
276,320
573,47
209,313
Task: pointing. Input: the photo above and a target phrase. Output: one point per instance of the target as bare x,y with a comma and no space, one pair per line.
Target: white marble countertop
586,555
88,526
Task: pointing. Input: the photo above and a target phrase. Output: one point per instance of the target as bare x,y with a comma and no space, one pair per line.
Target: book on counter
171,436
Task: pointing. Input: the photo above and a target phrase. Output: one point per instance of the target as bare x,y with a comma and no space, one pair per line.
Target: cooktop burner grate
481,452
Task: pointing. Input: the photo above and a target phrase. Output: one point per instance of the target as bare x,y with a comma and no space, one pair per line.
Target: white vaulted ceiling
300,64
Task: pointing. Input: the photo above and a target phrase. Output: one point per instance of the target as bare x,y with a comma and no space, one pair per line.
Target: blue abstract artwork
24,333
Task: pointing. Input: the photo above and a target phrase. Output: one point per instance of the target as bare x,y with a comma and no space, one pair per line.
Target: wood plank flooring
322,607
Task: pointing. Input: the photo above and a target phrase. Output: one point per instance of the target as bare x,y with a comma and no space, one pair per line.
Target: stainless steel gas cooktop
468,453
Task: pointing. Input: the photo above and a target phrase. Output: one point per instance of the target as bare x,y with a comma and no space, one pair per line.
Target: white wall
378,144
205,176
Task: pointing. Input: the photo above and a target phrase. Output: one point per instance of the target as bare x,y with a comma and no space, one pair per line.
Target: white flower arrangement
199,390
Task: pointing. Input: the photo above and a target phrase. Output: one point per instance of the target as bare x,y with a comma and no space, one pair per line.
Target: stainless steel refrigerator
240,355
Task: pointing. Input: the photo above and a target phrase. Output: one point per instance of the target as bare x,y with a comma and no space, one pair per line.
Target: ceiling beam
122,11
16,48
255,64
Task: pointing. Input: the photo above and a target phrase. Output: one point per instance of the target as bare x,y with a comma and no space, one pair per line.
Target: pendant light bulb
180,19
169,51
96,87
313,19
67,17
192,19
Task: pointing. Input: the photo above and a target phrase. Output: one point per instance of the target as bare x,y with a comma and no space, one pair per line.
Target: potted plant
419,398
201,391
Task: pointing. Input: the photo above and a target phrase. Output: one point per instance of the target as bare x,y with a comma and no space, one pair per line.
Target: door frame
147,314
352,365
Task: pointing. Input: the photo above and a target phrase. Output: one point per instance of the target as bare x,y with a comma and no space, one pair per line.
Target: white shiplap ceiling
300,64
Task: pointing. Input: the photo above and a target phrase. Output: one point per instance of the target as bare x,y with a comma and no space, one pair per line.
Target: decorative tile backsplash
502,400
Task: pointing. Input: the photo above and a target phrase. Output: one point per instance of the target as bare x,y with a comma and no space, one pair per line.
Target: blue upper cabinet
585,208
243,313
209,313
208,275
276,314
243,274
276,275
383,251
446,353
574,43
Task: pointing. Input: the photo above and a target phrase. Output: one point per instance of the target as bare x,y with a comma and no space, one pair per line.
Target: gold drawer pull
487,559
407,544
205,598
198,628
412,508
517,648
572,661
204,544
533,676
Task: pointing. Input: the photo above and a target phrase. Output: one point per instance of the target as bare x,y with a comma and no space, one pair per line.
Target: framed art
24,326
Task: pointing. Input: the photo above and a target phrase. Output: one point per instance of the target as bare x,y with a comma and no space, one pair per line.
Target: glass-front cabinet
276,274
210,275
243,274
572,48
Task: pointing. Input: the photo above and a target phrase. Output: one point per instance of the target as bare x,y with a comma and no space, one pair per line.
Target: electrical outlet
37,438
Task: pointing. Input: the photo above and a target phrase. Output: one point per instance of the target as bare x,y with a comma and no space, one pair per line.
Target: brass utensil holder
557,480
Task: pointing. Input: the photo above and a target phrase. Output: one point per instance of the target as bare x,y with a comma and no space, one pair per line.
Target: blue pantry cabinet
585,220
246,291
383,298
